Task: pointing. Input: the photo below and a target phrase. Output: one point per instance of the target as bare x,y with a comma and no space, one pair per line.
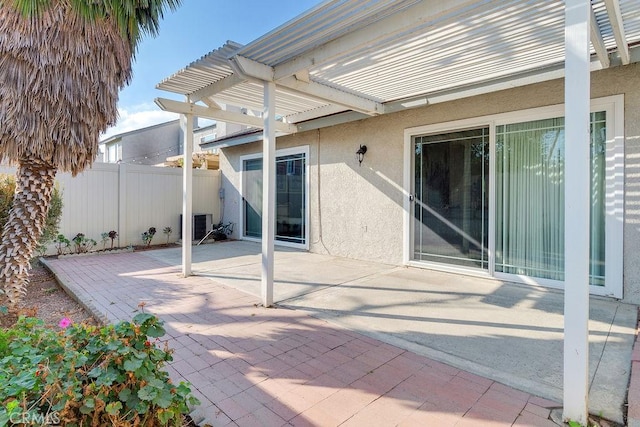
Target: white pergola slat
345,60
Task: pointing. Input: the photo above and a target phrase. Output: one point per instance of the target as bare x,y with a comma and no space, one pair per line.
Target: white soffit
390,50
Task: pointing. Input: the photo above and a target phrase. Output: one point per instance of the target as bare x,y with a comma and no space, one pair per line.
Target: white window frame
279,153
614,199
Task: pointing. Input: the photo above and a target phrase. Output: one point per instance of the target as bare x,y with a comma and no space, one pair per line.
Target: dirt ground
46,300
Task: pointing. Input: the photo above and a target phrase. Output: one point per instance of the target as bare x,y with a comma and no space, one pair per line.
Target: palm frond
134,18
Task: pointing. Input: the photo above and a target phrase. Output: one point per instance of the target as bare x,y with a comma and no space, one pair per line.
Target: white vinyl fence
129,199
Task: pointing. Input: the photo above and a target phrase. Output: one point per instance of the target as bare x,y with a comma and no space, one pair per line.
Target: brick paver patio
251,366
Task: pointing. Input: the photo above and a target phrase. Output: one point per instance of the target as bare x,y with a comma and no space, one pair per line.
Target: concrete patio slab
505,333
237,264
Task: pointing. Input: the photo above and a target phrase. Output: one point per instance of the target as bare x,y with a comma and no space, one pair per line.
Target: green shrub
50,231
85,375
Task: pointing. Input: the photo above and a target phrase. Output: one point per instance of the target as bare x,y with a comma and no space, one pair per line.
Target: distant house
146,146
154,145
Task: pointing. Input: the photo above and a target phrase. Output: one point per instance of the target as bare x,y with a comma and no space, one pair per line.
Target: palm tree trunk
34,185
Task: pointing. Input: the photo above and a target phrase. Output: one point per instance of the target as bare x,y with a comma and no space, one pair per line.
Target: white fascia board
221,115
617,25
235,141
326,110
482,88
216,87
598,42
337,119
332,95
421,12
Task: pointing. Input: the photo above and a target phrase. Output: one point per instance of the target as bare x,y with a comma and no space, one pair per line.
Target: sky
190,32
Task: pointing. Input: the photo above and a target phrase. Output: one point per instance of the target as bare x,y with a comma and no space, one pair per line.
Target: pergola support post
577,213
268,192
186,124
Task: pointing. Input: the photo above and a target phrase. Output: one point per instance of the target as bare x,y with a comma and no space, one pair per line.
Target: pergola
351,59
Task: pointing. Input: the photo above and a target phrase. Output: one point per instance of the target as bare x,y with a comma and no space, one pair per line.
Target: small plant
62,244
104,238
84,375
167,231
113,235
83,244
147,236
41,249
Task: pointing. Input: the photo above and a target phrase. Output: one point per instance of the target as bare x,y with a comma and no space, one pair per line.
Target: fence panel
129,199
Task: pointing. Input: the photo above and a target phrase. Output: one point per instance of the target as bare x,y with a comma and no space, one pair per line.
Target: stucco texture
357,211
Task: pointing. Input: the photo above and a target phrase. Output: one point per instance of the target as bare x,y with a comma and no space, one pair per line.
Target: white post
186,124
268,192
577,195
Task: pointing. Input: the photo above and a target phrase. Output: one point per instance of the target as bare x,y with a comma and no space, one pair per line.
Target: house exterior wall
357,211
150,146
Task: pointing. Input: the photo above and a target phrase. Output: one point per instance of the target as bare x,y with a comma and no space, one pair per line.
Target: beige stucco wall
356,211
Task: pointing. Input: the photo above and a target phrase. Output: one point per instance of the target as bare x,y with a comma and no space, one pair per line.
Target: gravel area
46,300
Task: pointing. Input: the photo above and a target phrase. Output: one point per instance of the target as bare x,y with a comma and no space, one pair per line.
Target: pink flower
65,322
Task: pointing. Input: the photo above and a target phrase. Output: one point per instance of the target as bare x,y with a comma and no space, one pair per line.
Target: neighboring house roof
236,138
343,61
119,136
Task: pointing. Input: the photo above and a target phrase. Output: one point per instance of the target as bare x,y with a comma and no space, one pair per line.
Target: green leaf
142,407
165,416
155,331
113,408
132,364
4,418
13,405
156,383
107,378
164,399
96,372
147,393
124,394
140,318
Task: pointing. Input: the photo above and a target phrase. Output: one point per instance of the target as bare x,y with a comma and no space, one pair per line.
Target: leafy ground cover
61,366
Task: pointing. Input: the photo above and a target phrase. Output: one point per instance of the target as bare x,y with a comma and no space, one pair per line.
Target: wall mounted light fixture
360,153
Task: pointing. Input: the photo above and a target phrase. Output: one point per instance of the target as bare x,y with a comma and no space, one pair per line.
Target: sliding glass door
491,198
530,198
291,198
451,198
252,198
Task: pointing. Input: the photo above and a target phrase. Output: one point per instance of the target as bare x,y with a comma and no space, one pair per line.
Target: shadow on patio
281,363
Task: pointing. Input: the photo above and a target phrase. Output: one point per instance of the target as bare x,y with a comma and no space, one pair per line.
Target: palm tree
62,65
